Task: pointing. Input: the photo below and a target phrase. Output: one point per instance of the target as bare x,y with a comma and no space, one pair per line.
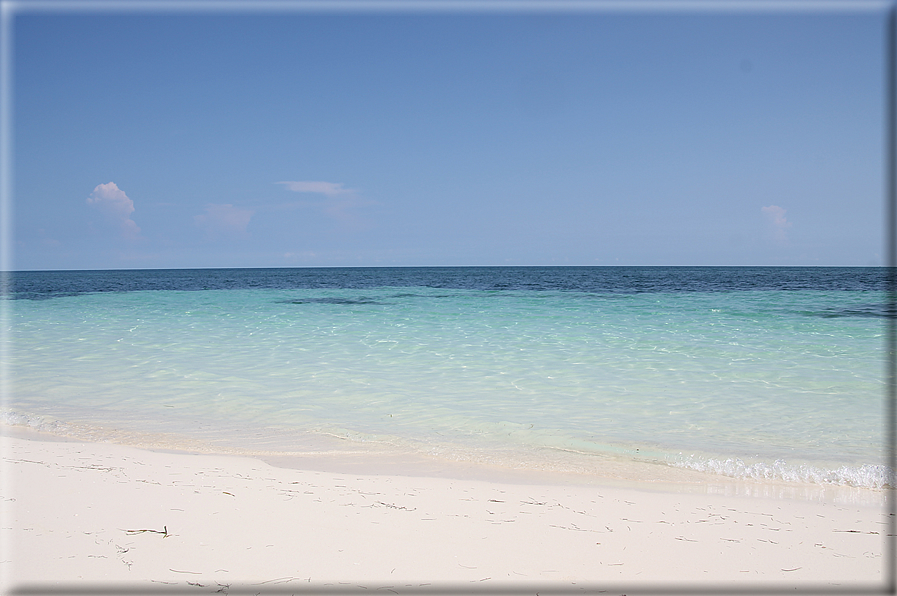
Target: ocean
770,374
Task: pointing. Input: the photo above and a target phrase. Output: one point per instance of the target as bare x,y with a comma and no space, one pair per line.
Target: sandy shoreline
77,515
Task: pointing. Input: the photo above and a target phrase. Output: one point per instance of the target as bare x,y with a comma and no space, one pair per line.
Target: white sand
82,514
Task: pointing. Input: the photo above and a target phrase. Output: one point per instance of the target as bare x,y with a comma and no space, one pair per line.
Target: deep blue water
37,285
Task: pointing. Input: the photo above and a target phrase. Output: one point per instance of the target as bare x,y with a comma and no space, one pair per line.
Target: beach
300,297
80,515
632,430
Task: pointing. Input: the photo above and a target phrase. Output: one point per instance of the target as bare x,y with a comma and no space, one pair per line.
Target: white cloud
115,204
224,219
776,217
339,203
325,188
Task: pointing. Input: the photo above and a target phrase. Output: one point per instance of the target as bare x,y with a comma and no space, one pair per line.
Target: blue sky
387,138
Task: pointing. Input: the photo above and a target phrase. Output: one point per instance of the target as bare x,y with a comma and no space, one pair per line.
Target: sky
294,138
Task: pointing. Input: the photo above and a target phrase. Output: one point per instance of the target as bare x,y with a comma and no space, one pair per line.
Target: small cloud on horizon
325,188
115,204
776,217
224,219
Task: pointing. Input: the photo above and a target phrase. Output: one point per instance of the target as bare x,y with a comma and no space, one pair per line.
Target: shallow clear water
751,372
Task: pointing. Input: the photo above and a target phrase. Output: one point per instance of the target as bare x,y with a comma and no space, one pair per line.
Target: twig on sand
163,531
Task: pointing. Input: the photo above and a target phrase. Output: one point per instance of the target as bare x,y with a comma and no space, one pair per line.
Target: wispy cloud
776,217
339,203
325,188
224,219
116,206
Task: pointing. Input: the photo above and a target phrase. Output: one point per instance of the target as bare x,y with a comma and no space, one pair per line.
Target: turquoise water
759,381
